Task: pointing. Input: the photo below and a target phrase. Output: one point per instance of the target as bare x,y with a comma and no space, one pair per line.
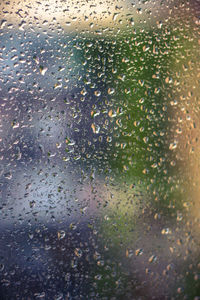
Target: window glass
99,134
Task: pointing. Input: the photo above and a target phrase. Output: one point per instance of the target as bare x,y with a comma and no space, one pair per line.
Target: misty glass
99,150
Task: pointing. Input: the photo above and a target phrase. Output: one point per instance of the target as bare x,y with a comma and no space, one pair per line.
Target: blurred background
99,133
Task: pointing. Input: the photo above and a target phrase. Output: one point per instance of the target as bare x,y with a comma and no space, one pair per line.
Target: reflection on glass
99,150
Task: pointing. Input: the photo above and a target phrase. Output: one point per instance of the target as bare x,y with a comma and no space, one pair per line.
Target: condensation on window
99,150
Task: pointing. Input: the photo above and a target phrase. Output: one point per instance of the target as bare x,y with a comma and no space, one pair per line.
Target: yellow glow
88,15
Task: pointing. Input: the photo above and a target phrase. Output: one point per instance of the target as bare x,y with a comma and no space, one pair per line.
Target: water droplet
97,93
1,267
166,231
173,145
61,234
138,252
15,124
111,91
8,175
43,70
95,128
153,259
78,252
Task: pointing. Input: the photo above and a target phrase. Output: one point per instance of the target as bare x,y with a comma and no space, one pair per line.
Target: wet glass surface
99,134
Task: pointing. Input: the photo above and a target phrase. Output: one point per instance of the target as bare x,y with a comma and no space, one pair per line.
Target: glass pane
99,133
